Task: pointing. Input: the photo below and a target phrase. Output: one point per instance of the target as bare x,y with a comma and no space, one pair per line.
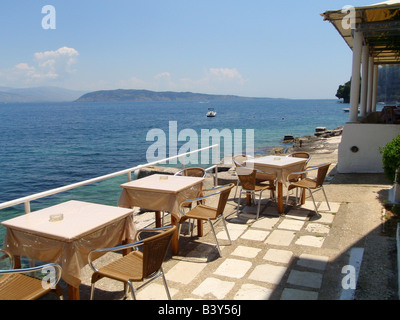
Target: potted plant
391,166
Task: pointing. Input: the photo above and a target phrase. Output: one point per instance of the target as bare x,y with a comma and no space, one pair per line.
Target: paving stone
334,207
291,224
253,292
215,287
280,237
311,241
179,272
235,231
233,268
305,279
298,214
296,294
317,228
280,256
309,205
256,235
267,223
323,217
246,252
268,273
155,291
313,261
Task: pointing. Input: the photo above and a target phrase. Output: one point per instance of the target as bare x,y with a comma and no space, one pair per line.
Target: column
364,81
370,84
375,89
355,76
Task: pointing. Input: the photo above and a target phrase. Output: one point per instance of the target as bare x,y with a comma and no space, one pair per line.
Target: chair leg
287,199
165,284
259,205
215,236
132,290
236,189
226,229
312,197
239,200
326,199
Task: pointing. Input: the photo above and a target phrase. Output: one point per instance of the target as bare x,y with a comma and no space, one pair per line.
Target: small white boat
211,112
348,110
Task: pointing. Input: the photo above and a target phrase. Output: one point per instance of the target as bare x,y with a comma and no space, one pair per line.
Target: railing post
216,165
27,206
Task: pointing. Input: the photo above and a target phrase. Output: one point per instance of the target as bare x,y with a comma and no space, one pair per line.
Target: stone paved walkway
275,257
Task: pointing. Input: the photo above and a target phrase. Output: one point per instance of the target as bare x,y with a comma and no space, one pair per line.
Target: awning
380,24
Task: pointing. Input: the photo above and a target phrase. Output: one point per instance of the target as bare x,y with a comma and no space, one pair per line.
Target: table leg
280,197
158,219
17,262
175,238
199,227
248,199
303,196
73,293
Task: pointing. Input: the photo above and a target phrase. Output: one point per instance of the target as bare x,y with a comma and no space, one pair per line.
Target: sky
254,48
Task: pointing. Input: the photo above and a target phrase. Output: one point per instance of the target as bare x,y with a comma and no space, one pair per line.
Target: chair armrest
149,230
311,168
6,255
202,197
113,249
45,267
179,172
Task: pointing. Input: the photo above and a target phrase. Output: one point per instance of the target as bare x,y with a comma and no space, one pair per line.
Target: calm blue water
44,146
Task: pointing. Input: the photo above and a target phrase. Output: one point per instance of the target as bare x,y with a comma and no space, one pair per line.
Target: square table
281,166
46,236
162,192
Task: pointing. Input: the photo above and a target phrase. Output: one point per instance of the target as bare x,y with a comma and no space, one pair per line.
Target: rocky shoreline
309,144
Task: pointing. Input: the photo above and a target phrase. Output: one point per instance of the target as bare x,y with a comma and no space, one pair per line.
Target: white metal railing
27,200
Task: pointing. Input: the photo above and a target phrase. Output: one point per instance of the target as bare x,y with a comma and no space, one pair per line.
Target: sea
48,145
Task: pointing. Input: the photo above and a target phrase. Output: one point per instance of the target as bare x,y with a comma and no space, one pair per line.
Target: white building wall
359,149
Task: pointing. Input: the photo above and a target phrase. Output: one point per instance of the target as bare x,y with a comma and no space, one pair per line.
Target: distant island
147,95
38,94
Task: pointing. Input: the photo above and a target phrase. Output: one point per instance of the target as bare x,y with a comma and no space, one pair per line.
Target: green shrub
391,159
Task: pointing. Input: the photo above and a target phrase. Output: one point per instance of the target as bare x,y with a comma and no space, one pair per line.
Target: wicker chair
15,284
312,185
247,177
206,212
192,172
261,177
300,154
136,266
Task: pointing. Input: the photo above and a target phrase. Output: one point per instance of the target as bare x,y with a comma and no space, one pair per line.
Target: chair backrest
322,171
223,198
301,154
155,249
247,177
192,172
239,159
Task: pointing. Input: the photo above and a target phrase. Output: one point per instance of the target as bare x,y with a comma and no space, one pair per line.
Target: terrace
296,255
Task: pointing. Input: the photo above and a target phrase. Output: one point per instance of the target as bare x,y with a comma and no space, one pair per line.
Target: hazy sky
259,48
